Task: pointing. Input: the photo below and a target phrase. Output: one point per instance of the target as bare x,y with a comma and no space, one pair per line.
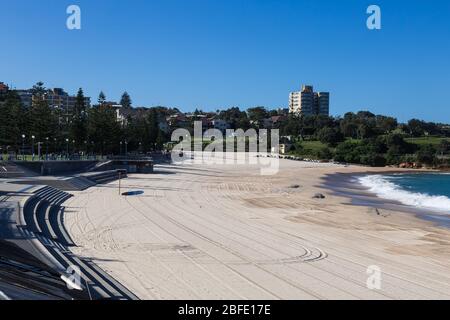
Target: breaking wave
384,188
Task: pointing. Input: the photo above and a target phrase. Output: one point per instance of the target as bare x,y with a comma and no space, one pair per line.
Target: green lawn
314,146
309,149
4,157
426,140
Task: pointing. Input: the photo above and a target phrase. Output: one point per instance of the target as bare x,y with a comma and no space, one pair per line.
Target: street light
46,149
39,150
120,153
32,147
67,147
23,145
126,148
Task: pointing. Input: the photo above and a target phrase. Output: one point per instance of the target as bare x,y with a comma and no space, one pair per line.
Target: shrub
348,151
373,159
393,156
329,136
325,153
426,155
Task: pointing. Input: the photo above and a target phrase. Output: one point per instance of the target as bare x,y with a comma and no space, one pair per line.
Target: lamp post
67,147
120,153
46,149
39,150
32,147
126,148
54,147
23,146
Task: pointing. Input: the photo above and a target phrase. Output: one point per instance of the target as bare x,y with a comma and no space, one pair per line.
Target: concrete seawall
47,168
130,165
51,168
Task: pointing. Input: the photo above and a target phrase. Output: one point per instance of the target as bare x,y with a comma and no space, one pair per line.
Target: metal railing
52,157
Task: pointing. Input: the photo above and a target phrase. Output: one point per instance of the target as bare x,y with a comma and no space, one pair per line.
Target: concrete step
56,220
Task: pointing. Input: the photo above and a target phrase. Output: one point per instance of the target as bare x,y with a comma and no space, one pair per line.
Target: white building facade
308,102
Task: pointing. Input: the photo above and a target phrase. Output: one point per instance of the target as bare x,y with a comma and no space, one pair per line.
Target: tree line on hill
362,137
88,130
369,139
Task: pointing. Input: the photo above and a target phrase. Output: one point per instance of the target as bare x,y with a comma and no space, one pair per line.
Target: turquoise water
421,190
432,184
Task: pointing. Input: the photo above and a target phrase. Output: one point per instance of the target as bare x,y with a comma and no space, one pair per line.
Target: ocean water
420,190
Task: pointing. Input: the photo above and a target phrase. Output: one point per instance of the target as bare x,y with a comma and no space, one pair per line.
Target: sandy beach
226,232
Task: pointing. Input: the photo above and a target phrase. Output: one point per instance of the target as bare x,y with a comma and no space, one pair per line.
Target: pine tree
160,140
43,121
101,98
138,134
6,123
103,129
39,89
20,117
125,101
78,127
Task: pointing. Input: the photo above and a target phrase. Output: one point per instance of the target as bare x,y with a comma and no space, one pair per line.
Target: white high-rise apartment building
308,102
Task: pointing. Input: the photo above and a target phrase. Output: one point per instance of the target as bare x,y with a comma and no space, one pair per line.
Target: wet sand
226,232
347,186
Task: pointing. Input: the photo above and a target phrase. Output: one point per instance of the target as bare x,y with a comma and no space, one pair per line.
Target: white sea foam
386,189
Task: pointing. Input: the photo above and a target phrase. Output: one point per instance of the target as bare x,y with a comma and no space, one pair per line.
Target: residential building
26,97
121,117
56,98
278,119
178,120
272,122
302,101
163,125
220,124
285,148
323,103
283,111
308,102
3,88
203,118
112,104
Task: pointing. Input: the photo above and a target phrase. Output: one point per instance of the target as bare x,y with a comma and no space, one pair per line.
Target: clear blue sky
219,53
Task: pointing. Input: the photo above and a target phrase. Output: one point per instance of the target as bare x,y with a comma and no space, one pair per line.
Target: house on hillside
276,120
3,88
177,120
220,124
